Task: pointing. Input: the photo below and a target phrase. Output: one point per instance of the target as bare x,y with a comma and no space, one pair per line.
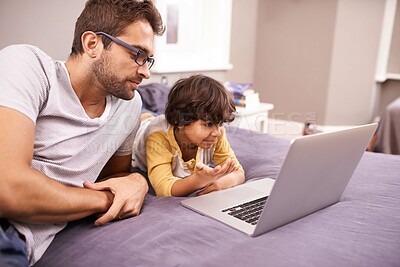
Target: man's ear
92,44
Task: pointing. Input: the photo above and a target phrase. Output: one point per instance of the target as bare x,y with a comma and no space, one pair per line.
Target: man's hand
129,192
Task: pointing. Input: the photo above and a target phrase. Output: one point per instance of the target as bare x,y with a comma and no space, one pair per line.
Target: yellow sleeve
159,156
223,151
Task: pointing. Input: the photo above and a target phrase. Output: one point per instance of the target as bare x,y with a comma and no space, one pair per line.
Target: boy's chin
206,146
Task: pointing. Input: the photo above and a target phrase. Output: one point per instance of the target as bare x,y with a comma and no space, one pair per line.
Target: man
67,125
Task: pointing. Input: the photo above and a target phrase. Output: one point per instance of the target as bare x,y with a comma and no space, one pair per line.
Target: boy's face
200,133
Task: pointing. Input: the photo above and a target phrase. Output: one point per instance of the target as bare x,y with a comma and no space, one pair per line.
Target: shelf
393,76
190,68
388,76
253,118
262,107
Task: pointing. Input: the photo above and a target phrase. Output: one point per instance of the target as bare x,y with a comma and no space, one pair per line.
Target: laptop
314,174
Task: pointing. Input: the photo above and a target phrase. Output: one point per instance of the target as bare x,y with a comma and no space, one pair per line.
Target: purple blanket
363,229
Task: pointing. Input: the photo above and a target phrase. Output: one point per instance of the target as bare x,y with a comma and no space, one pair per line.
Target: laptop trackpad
240,193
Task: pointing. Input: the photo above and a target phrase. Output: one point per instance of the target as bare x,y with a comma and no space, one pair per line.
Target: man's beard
108,80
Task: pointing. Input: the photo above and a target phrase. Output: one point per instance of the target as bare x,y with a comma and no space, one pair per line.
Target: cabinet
253,118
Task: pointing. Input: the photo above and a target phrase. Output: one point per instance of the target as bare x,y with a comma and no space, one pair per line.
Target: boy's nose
216,130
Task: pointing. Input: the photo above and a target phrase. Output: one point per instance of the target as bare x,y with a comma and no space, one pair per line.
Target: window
197,36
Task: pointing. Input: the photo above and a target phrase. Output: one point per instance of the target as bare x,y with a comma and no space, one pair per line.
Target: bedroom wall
352,86
47,24
243,44
294,48
317,59
301,55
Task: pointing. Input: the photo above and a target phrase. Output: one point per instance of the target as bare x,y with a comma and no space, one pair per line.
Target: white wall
243,47
293,56
48,24
316,60
243,40
307,57
351,91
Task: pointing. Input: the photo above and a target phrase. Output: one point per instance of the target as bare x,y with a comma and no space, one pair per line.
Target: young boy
180,148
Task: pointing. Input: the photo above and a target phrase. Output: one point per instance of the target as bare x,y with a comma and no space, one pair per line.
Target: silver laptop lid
314,175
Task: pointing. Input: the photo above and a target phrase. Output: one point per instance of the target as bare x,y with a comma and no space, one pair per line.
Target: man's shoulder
20,47
25,58
24,51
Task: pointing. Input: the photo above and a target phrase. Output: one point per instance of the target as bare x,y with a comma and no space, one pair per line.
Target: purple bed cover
363,229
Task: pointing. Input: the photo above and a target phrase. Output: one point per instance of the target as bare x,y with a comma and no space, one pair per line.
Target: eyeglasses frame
136,51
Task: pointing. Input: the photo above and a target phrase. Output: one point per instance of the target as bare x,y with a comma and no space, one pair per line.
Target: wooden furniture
253,118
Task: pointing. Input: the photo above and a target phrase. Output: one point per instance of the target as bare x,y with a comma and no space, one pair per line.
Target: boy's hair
199,98
112,17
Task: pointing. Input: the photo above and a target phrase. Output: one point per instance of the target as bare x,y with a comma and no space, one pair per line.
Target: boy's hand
211,175
214,186
218,171
231,178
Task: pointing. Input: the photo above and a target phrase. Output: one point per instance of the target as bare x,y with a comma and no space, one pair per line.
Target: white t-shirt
69,146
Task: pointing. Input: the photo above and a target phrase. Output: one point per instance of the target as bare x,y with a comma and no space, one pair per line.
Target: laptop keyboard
249,212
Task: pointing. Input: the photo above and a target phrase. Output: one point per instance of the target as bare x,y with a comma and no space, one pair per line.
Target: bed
363,229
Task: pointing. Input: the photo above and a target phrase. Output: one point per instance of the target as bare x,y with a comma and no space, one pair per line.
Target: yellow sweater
164,157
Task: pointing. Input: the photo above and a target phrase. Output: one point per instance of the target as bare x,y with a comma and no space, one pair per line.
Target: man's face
116,70
112,83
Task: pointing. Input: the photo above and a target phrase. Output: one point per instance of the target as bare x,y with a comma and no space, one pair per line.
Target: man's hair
199,98
112,17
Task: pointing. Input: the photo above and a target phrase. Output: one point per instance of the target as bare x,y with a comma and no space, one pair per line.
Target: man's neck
92,98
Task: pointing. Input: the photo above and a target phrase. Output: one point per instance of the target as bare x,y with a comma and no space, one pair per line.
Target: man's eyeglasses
141,57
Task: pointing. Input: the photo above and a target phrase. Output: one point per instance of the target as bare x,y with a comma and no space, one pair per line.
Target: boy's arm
230,180
159,164
203,177
222,153
159,157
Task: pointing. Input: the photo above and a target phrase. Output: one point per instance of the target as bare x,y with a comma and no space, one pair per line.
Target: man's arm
26,195
116,166
129,189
